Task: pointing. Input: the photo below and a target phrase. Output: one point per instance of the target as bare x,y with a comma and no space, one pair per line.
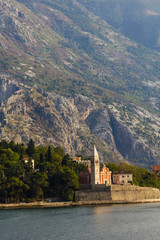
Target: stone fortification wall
125,193
95,193
133,193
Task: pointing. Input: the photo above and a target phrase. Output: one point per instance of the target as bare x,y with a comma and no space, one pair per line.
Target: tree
113,167
59,151
42,164
31,148
16,188
49,157
69,183
39,181
66,159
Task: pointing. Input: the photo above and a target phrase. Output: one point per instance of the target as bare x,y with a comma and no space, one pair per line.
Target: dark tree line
54,175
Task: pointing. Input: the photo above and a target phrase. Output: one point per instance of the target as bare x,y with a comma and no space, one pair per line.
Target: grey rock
74,123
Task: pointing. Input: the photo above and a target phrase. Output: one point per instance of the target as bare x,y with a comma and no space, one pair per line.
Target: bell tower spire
95,167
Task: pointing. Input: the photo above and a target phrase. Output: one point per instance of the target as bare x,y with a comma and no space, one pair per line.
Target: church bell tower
95,167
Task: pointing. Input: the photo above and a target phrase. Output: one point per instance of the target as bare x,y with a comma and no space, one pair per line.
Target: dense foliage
54,175
141,176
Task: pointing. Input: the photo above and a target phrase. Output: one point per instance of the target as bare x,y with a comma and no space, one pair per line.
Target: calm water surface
115,222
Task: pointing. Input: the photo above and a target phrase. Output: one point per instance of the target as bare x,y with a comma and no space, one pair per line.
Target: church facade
95,173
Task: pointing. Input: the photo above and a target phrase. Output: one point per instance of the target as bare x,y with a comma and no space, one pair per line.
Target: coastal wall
132,193
95,193
125,193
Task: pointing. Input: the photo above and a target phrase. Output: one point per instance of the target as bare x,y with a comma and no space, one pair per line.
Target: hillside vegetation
141,176
54,175
52,51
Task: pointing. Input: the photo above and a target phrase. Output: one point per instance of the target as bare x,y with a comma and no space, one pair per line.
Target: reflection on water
112,222
103,210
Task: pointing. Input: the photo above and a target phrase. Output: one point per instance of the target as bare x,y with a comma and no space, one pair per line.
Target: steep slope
139,19
91,57
67,78
78,122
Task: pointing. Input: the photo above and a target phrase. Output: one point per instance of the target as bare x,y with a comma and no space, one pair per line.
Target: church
95,173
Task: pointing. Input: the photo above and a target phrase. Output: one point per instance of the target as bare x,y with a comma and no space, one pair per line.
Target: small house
122,177
82,161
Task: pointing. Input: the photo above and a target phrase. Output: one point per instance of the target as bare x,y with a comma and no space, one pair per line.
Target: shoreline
71,204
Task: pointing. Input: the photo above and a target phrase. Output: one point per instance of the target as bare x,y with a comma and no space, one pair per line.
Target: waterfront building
85,177
95,173
122,177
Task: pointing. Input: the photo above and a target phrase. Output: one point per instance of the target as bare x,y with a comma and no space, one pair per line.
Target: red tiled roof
156,167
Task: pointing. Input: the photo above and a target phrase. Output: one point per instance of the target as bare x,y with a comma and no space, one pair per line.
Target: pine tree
31,148
49,155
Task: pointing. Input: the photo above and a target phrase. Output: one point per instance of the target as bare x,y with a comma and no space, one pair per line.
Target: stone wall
133,193
125,193
95,193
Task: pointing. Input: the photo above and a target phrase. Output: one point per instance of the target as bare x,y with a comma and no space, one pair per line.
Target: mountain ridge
57,50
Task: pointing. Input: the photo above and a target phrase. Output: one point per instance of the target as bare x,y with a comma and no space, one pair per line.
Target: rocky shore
71,204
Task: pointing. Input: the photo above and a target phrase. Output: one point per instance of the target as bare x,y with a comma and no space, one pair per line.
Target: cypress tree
31,148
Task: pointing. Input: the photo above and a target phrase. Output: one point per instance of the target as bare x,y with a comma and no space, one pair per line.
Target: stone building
85,177
82,161
122,177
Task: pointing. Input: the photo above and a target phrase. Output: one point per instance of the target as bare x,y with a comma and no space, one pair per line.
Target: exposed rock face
74,123
129,146
13,17
7,88
99,122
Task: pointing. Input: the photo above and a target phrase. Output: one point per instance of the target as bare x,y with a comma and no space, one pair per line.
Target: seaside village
99,184
97,173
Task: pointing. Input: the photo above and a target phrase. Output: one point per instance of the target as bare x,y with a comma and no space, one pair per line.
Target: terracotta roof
156,167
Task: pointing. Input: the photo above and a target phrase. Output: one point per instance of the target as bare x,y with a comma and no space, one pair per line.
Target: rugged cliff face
130,146
75,123
67,78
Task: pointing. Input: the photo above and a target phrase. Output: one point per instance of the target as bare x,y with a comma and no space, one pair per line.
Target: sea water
109,222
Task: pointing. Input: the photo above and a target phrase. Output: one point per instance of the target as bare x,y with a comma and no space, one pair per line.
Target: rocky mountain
139,19
76,123
69,79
